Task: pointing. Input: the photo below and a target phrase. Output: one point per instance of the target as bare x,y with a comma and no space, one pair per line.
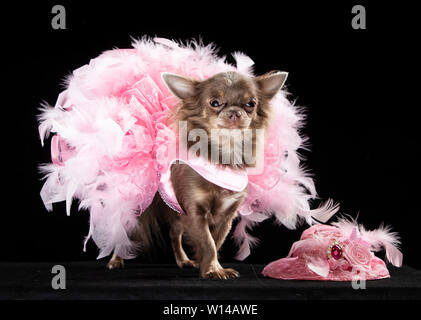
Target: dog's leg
220,232
116,262
209,264
223,219
181,257
196,254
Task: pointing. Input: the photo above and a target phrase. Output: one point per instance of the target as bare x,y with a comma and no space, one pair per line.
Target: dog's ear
270,83
182,87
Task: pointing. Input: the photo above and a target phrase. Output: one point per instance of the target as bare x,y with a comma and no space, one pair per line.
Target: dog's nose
234,114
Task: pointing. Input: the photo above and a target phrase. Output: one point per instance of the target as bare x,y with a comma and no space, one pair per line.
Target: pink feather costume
111,140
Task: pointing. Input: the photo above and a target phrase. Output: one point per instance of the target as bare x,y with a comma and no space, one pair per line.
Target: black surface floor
91,280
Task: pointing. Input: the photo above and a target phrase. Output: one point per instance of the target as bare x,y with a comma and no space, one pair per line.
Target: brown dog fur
227,100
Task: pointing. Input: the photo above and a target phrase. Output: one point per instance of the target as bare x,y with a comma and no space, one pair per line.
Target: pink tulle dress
111,140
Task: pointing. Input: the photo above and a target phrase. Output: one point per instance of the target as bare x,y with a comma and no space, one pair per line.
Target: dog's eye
215,103
250,104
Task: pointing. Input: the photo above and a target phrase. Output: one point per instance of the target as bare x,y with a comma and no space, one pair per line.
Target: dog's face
227,100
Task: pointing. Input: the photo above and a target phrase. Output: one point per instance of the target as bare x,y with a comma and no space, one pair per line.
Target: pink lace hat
342,251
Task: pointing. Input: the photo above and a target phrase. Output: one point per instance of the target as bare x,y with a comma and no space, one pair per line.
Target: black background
359,86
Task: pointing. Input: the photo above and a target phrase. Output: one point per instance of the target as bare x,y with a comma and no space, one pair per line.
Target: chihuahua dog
228,101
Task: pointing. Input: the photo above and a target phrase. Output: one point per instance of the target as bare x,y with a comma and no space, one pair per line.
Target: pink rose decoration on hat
342,251
358,255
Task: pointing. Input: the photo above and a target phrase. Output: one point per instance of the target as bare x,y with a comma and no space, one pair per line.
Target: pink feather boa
111,137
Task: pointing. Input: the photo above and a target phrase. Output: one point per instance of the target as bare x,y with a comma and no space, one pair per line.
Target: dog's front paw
187,264
223,274
115,264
